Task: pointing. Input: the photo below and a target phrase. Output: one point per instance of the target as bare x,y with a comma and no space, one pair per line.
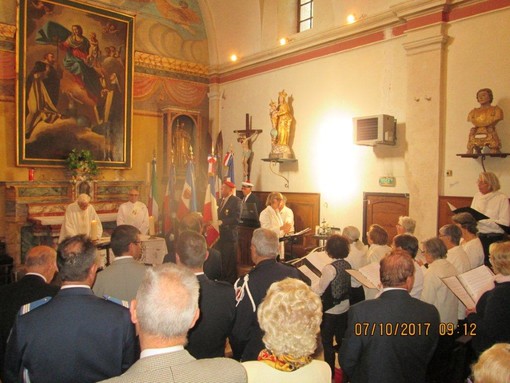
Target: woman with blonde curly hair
493,366
290,316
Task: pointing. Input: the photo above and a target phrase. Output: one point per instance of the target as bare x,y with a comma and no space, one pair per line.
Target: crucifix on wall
245,138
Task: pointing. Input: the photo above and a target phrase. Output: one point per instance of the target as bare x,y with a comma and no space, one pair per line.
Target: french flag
210,217
188,201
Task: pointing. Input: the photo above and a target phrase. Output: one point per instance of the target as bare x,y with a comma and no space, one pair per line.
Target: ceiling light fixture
351,18
233,57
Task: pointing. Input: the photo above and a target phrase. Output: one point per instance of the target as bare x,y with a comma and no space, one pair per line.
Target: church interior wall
327,92
477,58
161,52
325,95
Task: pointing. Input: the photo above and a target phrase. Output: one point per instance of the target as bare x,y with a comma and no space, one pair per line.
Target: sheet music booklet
311,265
293,236
470,286
476,215
368,275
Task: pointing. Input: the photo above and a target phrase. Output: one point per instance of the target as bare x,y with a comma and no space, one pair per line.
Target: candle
152,227
93,230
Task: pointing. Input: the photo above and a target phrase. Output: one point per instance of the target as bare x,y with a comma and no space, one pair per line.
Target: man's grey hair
265,242
351,232
407,223
191,249
83,198
435,247
452,231
75,257
395,268
466,221
167,300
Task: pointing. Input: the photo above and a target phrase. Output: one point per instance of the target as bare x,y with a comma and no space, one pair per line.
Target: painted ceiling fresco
167,28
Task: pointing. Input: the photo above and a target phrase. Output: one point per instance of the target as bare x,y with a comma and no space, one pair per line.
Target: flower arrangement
81,165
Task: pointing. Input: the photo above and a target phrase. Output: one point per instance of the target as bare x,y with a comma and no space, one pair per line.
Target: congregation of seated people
183,321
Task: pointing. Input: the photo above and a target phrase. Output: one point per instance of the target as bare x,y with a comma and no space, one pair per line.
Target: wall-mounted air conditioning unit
375,130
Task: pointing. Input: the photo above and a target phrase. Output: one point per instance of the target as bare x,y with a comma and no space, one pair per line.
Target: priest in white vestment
134,213
79,218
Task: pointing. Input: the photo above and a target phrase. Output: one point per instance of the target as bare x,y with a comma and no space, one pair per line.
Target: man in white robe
81,218
134,213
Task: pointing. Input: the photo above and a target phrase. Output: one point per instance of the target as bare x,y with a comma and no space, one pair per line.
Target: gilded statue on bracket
281,121
484,120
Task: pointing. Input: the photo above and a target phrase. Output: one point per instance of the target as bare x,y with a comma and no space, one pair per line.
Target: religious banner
74,89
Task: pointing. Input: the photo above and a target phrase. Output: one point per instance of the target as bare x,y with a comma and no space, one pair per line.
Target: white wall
327,92
478,58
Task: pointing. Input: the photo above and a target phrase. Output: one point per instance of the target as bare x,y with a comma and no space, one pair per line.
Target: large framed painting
74,88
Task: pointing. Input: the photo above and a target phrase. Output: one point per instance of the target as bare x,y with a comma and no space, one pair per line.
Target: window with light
305,15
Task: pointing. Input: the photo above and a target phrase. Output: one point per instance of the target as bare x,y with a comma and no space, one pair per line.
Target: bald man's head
42,260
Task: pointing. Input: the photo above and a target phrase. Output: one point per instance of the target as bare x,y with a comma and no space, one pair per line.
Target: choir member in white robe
134,213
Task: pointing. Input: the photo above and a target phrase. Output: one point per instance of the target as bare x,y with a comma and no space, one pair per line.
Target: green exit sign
387,181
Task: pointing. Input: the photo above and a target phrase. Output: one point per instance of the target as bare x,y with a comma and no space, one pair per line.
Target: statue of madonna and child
281,121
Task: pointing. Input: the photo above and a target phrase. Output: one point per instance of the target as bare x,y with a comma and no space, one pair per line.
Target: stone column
424,129
214,112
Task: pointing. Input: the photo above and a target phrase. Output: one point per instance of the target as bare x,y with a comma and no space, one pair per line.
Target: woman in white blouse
470,241
494,204
271,219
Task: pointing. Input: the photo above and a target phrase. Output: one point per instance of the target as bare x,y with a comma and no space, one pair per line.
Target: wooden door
384,209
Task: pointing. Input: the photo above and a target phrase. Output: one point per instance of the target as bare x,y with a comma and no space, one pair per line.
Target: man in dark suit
246,339
217,302
76,336
391,338
250,198
41,265
212,265
229,211
165,308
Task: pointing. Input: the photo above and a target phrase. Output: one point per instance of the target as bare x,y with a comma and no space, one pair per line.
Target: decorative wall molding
178,92
151,61
400,20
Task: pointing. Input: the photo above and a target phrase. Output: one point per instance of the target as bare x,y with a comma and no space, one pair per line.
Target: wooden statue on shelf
484,120
281,121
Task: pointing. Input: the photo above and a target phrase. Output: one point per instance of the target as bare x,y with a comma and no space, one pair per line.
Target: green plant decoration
81,165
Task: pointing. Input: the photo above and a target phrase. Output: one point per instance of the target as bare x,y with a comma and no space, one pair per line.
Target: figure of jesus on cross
245,138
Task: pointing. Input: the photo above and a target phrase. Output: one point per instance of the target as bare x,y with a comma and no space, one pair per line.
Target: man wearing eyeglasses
123,277
134,213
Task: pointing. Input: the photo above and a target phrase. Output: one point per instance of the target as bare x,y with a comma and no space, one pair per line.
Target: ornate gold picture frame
74,88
